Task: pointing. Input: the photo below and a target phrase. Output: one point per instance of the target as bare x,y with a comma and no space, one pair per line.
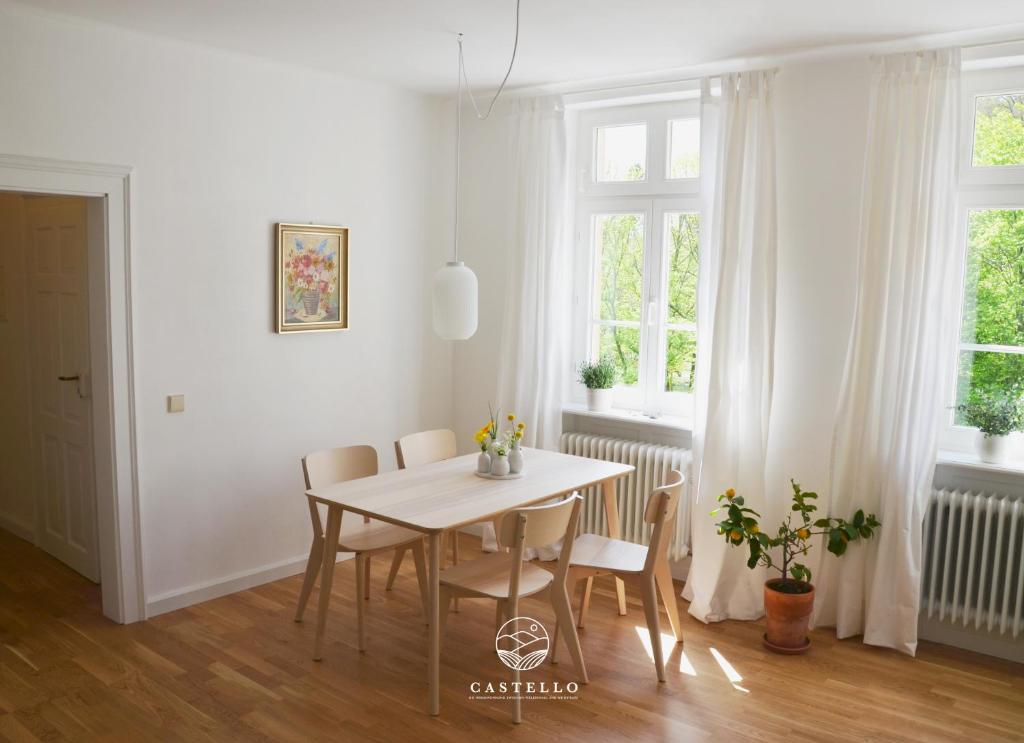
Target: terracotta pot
788,615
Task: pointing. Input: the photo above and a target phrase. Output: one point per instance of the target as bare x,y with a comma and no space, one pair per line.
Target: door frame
110,345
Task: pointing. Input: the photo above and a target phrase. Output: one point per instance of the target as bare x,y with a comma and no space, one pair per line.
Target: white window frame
654,197
988,187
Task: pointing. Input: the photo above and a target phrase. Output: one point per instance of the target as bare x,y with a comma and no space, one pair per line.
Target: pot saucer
787,651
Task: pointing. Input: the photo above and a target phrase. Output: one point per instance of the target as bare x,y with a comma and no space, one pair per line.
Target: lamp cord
463,76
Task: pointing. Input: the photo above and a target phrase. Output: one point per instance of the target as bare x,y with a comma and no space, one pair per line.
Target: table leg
331,535
611,514
434,661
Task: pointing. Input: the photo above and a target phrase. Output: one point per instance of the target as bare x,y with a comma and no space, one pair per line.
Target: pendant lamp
455,285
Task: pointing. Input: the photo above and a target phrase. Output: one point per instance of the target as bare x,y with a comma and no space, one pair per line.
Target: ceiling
412,42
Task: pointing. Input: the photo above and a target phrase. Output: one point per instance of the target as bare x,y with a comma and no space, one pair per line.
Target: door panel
61,410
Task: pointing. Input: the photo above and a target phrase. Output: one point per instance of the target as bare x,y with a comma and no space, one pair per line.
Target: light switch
175,403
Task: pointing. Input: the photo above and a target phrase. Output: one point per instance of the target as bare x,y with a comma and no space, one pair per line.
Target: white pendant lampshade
455,301
455,286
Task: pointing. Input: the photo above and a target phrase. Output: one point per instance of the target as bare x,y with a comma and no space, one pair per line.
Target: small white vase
993,449
499,466
483,463
599,401
515,461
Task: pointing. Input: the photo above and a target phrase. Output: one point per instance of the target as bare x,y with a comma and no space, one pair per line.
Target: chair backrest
425,447
328,466
538,526
660,510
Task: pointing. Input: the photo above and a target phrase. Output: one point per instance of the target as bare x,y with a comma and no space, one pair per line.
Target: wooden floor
239,668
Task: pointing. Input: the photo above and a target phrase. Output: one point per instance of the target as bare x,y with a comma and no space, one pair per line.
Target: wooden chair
415,450
504,578
361,535
597,555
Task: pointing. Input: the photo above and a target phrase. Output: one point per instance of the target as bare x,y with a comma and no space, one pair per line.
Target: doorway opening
67,444
47,487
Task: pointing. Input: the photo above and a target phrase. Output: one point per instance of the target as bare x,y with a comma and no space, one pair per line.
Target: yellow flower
803,533
521,426
730,493
511,417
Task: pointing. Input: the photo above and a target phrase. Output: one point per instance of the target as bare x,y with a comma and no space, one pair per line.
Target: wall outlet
175,403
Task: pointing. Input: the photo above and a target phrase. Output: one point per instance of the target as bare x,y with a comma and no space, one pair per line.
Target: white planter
599,401
993,449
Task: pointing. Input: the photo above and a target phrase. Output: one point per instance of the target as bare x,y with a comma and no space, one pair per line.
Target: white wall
487,220
223,147
822,113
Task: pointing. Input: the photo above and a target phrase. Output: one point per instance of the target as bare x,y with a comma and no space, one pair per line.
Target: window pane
622,346
620,153
684,148
999,130
619,243
680,361
987,372
682,232
994,278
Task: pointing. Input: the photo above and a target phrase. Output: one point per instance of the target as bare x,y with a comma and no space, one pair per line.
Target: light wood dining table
446,495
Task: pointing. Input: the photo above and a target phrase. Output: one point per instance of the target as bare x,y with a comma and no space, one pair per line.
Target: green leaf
851,532
821,523
858,518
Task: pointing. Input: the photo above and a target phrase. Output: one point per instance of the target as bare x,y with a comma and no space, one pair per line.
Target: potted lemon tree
789,598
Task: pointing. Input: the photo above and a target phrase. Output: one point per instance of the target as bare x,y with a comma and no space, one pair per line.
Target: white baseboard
218,587
968,638
17,528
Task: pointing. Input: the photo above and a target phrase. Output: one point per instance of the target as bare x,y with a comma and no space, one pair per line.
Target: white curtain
534,365
534,362
736,336
905,325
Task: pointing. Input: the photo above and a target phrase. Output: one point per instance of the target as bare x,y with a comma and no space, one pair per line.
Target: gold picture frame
312,277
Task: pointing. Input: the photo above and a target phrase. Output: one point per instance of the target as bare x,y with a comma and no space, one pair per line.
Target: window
990,353
638,230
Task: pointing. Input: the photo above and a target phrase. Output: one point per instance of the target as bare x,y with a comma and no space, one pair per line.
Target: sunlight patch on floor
668,642
730,673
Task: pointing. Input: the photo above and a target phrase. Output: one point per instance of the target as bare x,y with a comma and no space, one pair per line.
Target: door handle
69,379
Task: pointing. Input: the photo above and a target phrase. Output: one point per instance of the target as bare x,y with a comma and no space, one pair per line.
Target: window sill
632,418
970,463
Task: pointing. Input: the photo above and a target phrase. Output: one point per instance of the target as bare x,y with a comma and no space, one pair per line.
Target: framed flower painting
312,278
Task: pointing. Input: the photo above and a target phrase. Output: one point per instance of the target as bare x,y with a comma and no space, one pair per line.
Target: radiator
653,464
974,560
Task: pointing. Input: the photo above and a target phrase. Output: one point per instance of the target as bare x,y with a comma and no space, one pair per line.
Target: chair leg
454,534
316,557
366,579
651,610
360,603
620,591
663,577
499,617
420,558
396,563
445,597
563,613
585,588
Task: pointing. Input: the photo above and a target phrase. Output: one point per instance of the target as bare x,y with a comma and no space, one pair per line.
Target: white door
61,409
